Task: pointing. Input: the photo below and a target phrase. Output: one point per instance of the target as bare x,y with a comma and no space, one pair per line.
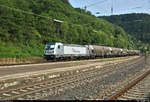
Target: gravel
96,86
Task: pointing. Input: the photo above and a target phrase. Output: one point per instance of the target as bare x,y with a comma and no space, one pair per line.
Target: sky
119,6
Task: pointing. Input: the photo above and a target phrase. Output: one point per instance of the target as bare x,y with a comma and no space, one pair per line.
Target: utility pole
85,8
112,9
58,24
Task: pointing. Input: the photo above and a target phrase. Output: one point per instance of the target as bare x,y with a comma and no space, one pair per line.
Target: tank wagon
64,51
99,51
125,52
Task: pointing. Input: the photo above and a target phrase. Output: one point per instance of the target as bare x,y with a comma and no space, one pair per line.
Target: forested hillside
137,25
27,25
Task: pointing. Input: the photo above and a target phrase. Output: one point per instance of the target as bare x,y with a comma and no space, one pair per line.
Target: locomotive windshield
50,47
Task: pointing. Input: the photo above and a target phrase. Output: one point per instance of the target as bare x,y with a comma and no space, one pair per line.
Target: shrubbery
25,34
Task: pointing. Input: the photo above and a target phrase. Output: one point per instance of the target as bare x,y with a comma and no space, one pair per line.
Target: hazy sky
119,6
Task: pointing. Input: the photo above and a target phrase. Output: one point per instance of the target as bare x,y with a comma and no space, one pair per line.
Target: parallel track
137,89
30,89
115,90
27,91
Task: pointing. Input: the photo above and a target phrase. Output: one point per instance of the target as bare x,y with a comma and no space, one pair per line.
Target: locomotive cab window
92,51
49,47
58,46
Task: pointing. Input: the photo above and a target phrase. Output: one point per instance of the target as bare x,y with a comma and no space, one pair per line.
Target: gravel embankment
97,85
14,76
8,70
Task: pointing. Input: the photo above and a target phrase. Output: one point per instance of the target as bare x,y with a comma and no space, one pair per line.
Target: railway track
113,70
30,91
136,90
136,87
81,92
8,81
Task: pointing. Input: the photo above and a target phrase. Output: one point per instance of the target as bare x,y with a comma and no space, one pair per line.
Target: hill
135,24
27,25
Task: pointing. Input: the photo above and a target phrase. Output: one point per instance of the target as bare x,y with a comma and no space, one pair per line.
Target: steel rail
80,71
114,90
95,71
129,86
46,81
49,81
74,79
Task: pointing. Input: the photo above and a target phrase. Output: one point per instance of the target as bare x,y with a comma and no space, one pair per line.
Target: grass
9,50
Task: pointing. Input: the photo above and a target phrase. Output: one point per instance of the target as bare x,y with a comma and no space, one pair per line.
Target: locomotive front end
49,52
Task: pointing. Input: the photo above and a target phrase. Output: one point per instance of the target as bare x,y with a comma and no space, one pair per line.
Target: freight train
54,51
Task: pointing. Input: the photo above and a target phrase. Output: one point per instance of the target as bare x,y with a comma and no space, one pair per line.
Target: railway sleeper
15,92
138,91
91,75
37,87
133,94
23,90
42,85
8,95
128,97
20,98
30,88
122,98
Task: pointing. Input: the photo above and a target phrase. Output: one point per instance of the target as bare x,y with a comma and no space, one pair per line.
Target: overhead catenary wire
96,3
136,6
30,13
93,4
26,12
87,2
113,9
133,8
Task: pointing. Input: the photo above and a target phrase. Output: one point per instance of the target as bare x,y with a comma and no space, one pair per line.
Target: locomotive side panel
72,50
